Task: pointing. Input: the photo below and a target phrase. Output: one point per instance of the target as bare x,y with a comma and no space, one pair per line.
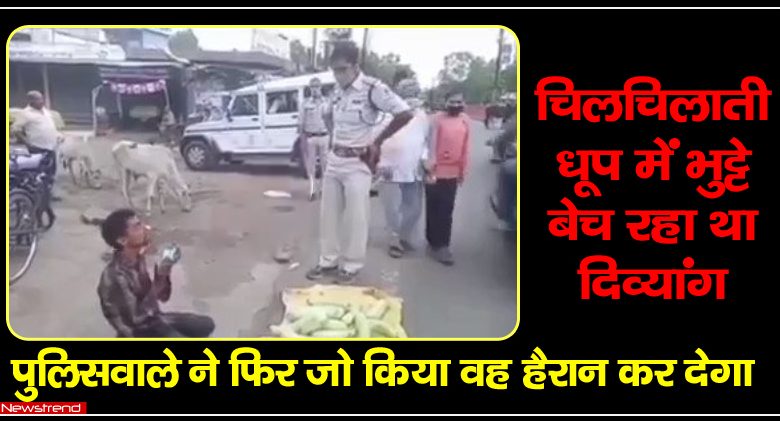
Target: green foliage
385,67
183,43
475,77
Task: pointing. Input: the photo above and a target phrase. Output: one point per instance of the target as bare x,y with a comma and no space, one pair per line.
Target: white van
260,125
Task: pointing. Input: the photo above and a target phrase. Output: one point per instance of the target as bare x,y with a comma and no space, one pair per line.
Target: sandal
396,251
319,272
345,277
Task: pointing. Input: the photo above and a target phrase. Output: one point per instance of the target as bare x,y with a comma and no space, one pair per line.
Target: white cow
158,165
75,154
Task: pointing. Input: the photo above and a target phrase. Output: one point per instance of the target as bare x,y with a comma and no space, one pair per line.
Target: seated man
279,104
38,128
129,296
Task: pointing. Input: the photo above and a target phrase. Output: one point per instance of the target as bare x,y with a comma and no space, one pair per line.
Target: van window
326,90
282,102
244,105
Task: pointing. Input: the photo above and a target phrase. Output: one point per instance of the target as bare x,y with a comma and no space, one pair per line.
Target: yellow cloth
360,298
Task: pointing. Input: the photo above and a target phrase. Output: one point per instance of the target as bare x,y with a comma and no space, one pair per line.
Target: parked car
260,125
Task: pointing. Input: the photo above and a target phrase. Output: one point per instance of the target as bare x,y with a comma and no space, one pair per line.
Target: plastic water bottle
171,255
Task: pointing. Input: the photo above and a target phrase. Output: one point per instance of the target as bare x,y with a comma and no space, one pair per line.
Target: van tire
198,155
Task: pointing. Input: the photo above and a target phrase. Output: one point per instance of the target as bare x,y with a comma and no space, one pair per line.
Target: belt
347,152
316,134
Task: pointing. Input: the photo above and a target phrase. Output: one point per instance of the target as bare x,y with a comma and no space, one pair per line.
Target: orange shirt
450,142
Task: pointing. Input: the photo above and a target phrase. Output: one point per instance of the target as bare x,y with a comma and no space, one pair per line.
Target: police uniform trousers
344,213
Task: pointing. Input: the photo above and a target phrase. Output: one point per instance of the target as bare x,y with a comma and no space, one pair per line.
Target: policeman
355,111
315,136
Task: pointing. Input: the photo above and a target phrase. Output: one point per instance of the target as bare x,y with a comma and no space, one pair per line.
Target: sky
423,49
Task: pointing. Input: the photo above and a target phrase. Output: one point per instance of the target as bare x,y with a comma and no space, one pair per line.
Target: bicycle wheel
23,235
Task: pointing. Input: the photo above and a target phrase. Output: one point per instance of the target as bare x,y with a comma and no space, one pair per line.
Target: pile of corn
334,311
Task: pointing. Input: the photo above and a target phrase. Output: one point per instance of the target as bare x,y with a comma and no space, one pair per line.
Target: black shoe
443,256
319,272
396,251
345,277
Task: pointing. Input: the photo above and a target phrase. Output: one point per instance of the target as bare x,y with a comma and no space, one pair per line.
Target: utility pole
314,48
498,61
365,46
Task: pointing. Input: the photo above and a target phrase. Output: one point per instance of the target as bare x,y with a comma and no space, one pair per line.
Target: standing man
38,130
129,296
450,143
402,172
355,110
315,136
167,126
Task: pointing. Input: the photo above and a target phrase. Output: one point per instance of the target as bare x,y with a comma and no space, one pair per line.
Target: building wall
85,34
23,77
199,89
64,36
70,85
70,88
138,38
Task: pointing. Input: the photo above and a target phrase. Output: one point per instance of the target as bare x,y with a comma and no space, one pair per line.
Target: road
227,270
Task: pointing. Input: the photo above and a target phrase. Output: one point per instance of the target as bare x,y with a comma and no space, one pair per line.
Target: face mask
344,78
455,109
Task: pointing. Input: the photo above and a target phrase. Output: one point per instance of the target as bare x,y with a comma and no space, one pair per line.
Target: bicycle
28,203
23,232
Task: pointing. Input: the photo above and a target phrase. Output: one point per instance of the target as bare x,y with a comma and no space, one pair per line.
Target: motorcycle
503,201
30,173
28,202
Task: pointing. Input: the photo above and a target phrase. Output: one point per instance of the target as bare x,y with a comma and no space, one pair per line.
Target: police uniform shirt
313,111
354,116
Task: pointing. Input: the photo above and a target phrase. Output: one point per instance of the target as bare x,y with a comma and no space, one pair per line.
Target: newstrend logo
43,407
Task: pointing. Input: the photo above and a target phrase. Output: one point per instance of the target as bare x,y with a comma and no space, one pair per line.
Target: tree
465,72
508,78
386,67
301,56
383,67
475,77
480,80
184,43
338,34
456,67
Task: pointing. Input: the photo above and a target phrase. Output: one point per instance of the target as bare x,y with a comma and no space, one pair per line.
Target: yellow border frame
270,339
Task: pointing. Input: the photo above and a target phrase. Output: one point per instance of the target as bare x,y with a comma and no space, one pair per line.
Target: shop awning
132,72
142,88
